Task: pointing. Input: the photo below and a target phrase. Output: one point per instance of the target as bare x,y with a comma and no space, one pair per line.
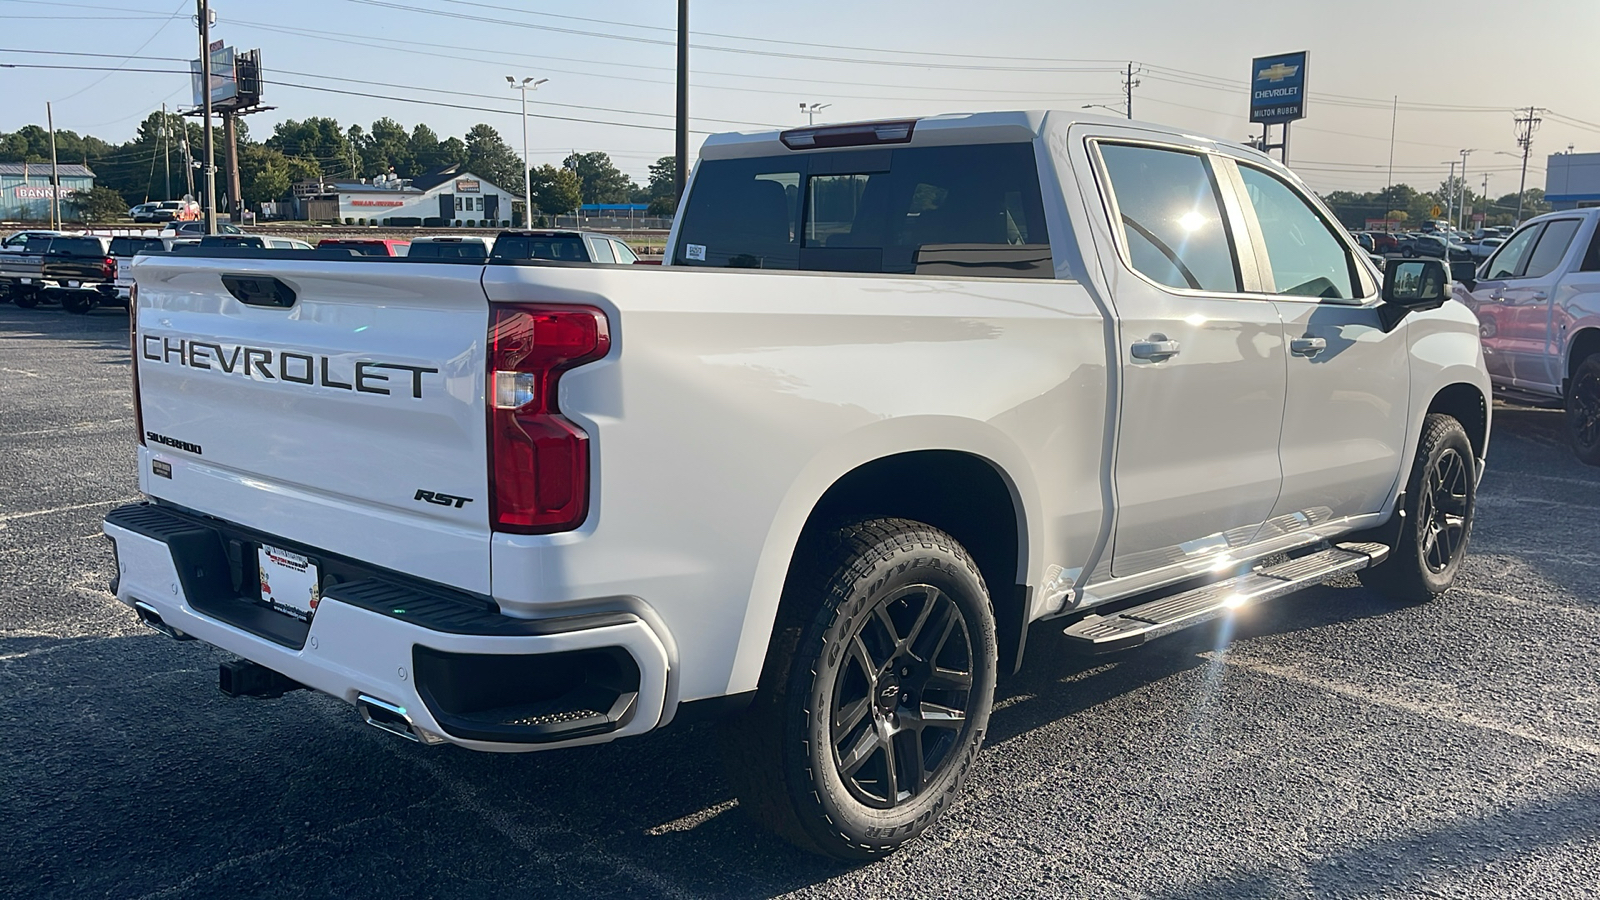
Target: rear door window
973,211
1171,217
1552,247
600,248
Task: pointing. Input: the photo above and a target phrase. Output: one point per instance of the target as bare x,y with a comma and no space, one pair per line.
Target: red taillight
108,268
538,460
133,361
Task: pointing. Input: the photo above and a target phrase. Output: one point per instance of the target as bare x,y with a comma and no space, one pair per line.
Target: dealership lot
1327,745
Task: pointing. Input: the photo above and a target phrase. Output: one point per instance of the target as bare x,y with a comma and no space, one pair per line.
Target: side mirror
1413,284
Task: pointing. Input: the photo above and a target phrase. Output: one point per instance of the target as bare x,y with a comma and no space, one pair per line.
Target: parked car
902,397
198,229
367,246
76,271
1485,247
450,247
175,211
144,212
1537,300
1384,242
123,249
15,243
254,242
562,246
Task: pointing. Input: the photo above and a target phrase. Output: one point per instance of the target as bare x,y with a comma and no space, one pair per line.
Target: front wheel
26,299
1583,410
1428,536
876,692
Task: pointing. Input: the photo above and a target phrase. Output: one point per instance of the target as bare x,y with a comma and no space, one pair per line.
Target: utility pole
166,149
1450,194
209,159
1128,84
1527,123
680,174
1462,206
188,161
230,132
1394,119
55,173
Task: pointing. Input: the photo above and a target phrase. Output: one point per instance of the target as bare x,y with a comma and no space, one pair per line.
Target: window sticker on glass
696,252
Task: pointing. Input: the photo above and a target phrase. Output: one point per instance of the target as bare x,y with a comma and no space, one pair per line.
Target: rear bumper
460,674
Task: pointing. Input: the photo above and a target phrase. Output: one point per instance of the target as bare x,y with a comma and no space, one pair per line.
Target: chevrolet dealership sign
1278,88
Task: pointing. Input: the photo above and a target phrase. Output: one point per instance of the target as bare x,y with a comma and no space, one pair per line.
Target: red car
367,246
1384,242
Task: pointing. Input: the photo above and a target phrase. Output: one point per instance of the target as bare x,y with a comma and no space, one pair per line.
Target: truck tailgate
350,420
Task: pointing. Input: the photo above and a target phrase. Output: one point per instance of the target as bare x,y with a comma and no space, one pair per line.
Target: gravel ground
1326,745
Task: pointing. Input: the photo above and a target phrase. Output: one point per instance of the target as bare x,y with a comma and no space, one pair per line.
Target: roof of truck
957,128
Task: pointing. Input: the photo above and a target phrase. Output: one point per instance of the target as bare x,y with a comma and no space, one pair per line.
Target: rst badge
442,499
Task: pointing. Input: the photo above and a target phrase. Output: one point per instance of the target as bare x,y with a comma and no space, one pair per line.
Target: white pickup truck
901,389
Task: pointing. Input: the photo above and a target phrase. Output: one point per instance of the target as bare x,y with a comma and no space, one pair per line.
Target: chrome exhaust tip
386,716
149,616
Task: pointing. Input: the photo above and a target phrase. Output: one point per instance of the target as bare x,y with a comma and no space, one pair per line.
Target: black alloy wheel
875,694
901,696
1583,410
1429,532
1442,512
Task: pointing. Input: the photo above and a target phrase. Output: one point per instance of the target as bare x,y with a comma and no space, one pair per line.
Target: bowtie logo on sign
1277,72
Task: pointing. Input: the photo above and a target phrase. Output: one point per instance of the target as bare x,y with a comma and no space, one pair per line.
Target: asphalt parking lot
1328,745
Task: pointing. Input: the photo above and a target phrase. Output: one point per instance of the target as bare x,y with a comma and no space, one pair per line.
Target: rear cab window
449,250
962,211
562,248
63,246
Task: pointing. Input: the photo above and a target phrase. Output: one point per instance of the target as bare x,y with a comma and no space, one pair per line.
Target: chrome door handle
1307,346
1538,295
1156,349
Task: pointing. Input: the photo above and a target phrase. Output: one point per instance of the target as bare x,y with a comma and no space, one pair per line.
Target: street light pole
210,170
527,159
810,111
1450,193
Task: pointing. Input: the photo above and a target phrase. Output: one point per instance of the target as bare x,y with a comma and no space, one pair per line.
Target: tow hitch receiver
243,678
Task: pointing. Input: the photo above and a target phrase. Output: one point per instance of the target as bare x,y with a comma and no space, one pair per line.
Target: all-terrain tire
876,691
76,303
1583,410
26,299
1428,536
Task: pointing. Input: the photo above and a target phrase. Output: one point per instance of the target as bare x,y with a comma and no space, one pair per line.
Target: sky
1458,68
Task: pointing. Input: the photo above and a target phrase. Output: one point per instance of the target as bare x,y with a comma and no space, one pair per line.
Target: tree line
137,170
1407,205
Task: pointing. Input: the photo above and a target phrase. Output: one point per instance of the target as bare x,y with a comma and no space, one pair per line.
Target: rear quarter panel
732,400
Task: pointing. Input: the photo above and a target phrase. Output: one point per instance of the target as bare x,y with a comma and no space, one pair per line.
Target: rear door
337,419
1202,360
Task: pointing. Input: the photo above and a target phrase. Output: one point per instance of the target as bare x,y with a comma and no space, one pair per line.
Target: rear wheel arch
965,495
1584,344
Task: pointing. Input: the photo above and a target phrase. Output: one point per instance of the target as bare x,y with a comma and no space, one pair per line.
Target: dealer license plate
72,284
289,582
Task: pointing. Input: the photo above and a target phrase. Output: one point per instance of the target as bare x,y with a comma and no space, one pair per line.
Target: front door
1345,422
491,208
1202,360
447,207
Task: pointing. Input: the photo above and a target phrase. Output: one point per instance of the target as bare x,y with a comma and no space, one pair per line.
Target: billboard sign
467,186
1278,88
224,81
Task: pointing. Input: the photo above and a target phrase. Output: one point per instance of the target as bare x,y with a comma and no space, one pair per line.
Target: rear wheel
77,303
876,691
26,299
1583,410
1428,536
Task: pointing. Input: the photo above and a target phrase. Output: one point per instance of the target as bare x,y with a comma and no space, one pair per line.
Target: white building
1572,180
445,198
